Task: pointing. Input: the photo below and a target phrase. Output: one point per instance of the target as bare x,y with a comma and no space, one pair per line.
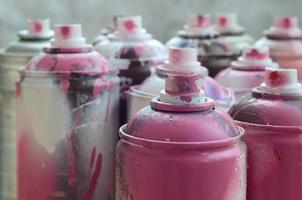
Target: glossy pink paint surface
273,135
177,155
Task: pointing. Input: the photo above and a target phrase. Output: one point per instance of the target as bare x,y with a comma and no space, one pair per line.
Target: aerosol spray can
284,40
214,53
180,147
139,96
134,52
67,122
272,118
16,55
247,72
232,32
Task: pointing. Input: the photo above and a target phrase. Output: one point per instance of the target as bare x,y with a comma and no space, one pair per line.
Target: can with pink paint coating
180,147
214,53
134,52
284,40
230,30
272,118
67,122
30,41
247,71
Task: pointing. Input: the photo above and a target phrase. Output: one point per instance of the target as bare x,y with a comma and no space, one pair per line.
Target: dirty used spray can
139,96
67,111
213,52
247,71
134,52
13,57
284,40
272,118
180,147
232,32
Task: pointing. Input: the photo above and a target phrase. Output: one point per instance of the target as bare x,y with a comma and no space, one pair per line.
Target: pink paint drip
64,84
94,178
92,157
40,169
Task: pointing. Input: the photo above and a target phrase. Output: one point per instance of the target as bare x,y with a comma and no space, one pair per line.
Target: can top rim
274,129
149,143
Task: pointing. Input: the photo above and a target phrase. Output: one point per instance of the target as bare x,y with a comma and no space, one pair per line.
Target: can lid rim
149,143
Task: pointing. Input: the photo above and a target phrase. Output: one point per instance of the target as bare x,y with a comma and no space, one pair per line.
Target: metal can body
8,76
181,147
12,59
67,123
183,166
272,118
147,170
274,160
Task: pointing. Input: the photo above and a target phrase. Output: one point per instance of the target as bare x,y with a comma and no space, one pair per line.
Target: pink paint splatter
38,27
66,32
176,56
187,99
223,21
203,21
287,23
255,54
139,49
94,178
130,25
276,79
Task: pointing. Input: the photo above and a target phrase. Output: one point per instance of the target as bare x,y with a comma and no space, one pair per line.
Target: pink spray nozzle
38,27
185,81
183,60
68,36
127,26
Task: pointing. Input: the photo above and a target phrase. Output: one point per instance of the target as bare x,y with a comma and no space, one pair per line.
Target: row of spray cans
183,144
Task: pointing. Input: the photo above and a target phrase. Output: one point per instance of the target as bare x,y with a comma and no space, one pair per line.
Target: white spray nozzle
68,36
